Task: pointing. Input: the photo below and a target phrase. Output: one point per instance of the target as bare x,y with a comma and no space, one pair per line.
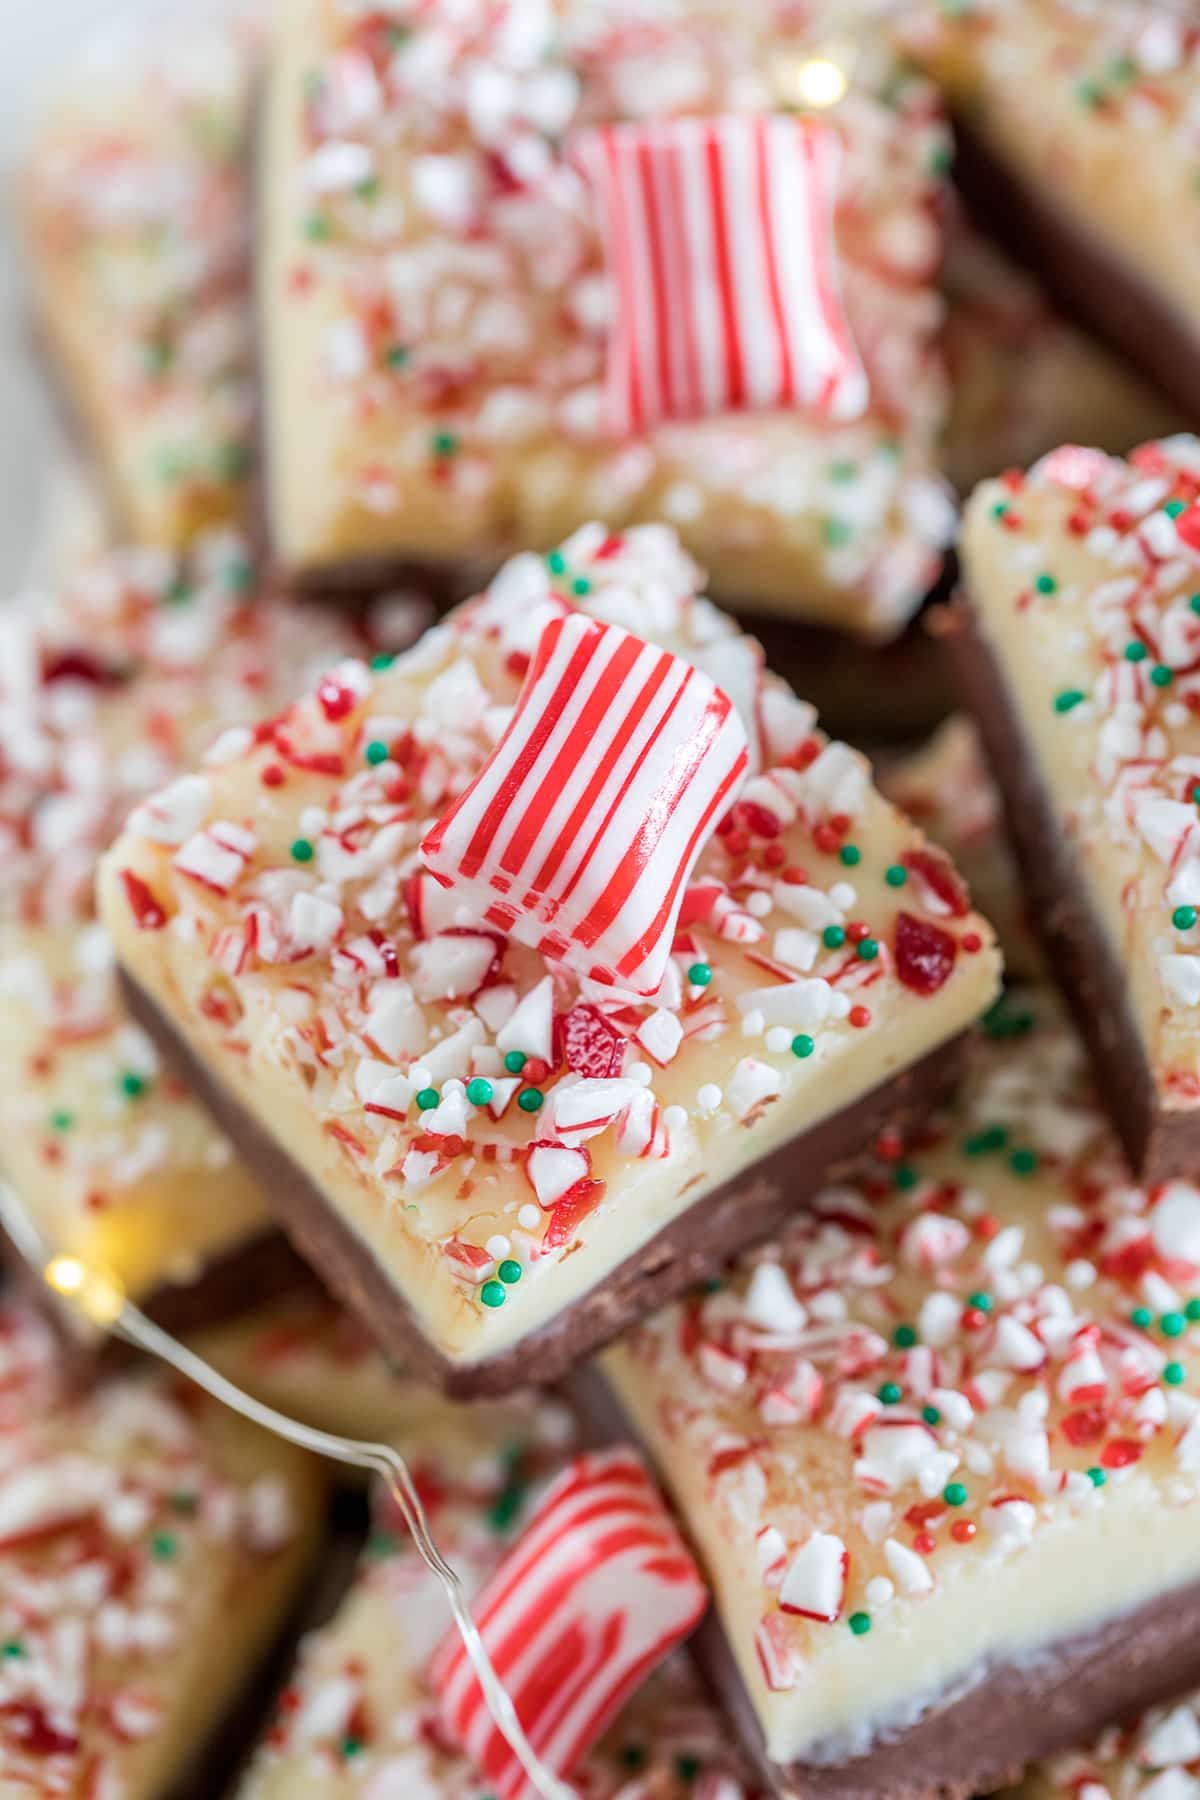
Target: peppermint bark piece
1059,108
493,1153
360,1717
1152,1758
151,1548
109,684
937,1447
1078,652
135,208
438,325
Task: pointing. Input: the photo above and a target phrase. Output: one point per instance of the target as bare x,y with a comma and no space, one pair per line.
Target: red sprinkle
963,1530
859,1016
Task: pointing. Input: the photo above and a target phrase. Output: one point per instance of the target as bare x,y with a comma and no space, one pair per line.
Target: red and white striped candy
579,833
596,1592
720,246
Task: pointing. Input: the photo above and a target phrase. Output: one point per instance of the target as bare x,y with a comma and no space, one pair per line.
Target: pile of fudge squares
591,536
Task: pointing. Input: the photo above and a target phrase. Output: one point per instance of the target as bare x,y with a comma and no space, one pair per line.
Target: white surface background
38,38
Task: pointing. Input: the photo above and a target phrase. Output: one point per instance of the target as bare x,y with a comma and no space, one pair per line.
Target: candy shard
580,831
596,1592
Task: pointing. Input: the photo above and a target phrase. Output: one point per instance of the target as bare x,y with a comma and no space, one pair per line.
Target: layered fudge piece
1154,1758
436,314
505,1114
151,1547
360,1715
1060,109
109,684
938,1447
946,787
136,215
1023,379
1079,652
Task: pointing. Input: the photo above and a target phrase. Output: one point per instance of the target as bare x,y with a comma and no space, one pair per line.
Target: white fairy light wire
95,1296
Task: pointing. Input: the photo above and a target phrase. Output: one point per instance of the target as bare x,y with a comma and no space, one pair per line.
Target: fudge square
112,679
939,1445
434,312
152,1545
1059,109
1079,653
494,1152
1155,1757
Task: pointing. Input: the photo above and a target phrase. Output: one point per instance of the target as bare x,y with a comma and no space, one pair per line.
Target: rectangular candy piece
498,1160
1078,652
152,1546
109,685
1153,1758
438,324
1059,110
359,1716
136,223
938,1448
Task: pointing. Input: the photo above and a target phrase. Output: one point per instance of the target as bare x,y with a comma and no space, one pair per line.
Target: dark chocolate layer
1078,950
1091,284
1015,1713
692,1247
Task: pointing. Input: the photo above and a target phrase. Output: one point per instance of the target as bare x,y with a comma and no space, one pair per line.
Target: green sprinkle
1172,1324
1183,918
383,660
381,1544
904,1337
1142,1317
850,854
841,472
931,1415
316,227
239,576
836,532
493,1293
1194,603
633,1756
479,1091
803,1045
1192,1310
868,949
163,1546
1173,508
61,1120
994,1138
179,590
1023,1162
1136,652
1096,1477
510,1271
1089,94
581,586
556,562
981,1302
444,443
859,1623
367,188
687,1767
133,1085
1000,509
302,850
1196,794
232,461
1068,700
833,937
1174,1373
954,1494
11,1649
1046,584
506,1506
895,876
396,356
376,752
905,1178
530,1099
700,974
515,1061
1161,676
891,1393
350,1746
427,1099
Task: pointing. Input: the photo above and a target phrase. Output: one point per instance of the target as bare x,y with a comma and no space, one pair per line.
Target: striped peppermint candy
719,240
579,833
596,1592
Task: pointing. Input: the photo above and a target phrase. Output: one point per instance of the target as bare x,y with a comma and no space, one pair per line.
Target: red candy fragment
1188,526
570,1213
944,886
924,954
592,1044
596,1592
148,914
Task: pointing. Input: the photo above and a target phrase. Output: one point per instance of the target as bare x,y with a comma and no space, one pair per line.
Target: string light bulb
813,82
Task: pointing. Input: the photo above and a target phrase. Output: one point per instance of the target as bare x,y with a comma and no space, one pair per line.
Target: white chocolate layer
972,1375
802,1002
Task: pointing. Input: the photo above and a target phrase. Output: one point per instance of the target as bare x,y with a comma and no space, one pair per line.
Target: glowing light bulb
815,81
93,1292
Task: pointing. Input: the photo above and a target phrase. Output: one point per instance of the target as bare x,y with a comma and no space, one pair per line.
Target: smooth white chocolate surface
1082,577
433,295
150,1545
951,1418
306,991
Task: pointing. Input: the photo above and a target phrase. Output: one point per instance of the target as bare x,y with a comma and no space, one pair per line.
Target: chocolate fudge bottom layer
1086,280
1078,950
1011,1714
692,1247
